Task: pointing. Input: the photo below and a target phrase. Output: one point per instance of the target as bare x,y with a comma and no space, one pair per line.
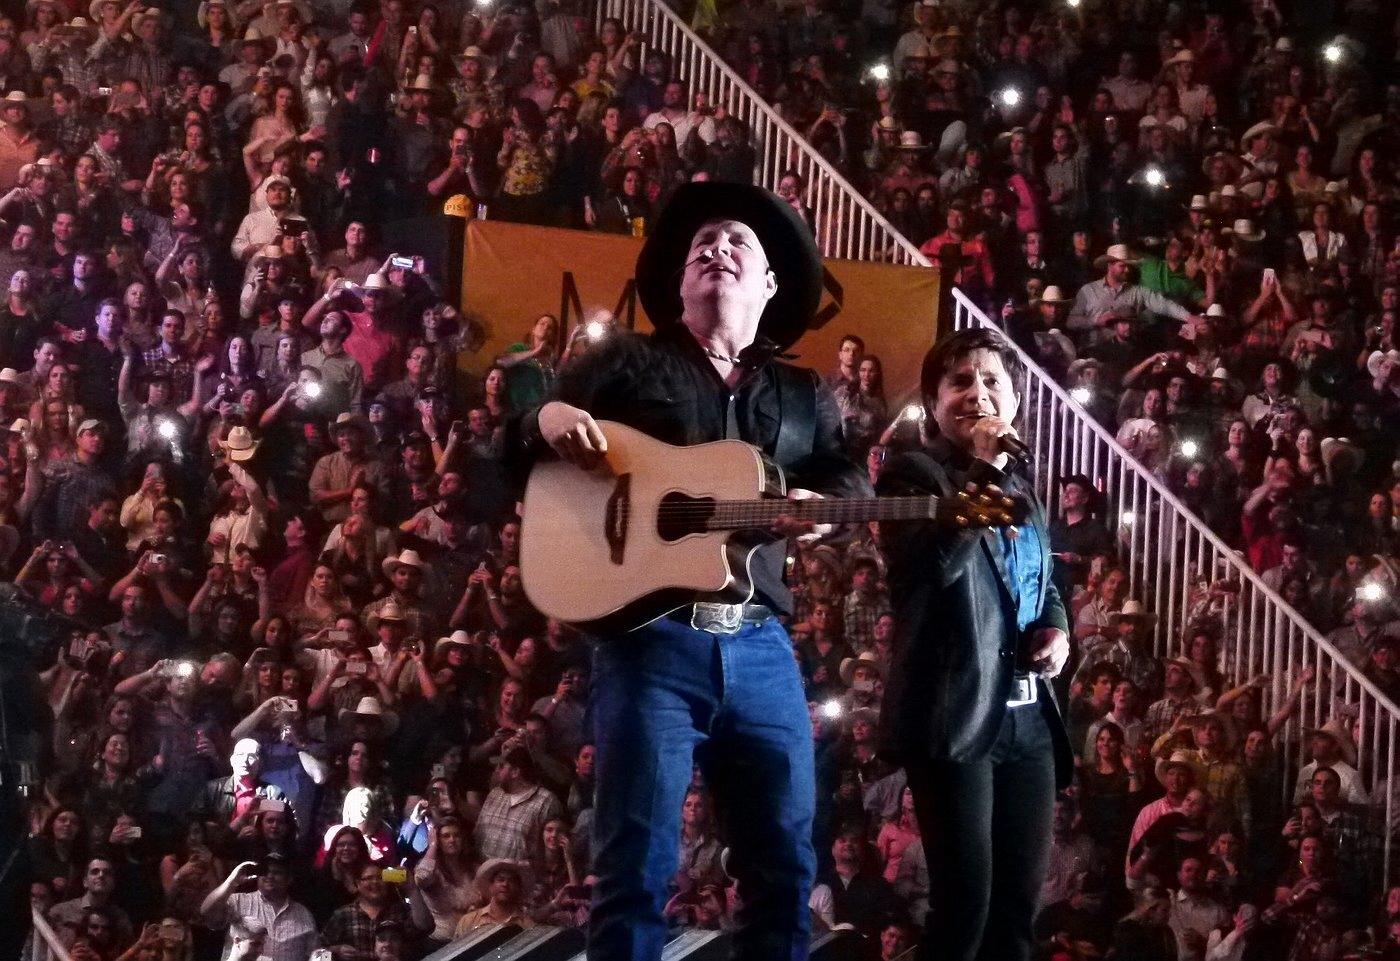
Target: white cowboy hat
1243,229
1118,252
389,612
1378,358
1178,759
1263,128
1181,56
1133,608
369,707
1340,458
240,444
10,376
1192,669
203,14
486,876
1339,732
406,558
865,659
455,639
1198,202
1052,295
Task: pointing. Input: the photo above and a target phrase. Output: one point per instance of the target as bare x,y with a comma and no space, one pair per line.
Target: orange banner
513,273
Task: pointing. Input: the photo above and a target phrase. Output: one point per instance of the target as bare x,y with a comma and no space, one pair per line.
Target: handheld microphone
1014,447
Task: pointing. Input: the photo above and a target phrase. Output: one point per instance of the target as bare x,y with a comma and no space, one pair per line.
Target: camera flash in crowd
167,429
1332,53
831,709
1189,448
1080,395
1371,591
1128,518
1072,3
1154,176
1009,97
312,390
184,669
596,329
880,72
914,412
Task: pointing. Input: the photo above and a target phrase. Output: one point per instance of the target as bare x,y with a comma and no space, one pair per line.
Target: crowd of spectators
305,701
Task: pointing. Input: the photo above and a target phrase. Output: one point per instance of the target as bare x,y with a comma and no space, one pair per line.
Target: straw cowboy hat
1228,731
10,376
1199,202
1216,311
1340,458
1181,758
369,709
825,555
348,421
379,282
912,140
240,444
866,659
486,876
19,426
406,558
142,15
1181,56
1339,732
1192,670
202,15
95,9
390,612
1079,366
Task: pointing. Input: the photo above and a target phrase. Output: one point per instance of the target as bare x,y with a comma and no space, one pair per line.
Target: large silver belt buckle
717,618
1023,691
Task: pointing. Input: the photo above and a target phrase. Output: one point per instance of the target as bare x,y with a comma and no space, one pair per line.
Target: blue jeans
665,698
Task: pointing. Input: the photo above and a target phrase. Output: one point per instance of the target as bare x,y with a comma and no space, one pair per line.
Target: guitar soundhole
681,515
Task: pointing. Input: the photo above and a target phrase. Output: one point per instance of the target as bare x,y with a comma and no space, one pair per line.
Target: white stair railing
1166,550
848,226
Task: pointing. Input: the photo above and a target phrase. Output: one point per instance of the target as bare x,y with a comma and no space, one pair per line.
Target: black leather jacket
666,387
957,642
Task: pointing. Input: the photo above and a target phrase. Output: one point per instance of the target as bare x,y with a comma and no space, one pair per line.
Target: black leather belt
721,618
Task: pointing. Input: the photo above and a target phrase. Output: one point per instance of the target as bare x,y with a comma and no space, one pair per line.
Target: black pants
986,834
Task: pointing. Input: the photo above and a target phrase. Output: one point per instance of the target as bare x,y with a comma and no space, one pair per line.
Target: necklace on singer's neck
711,352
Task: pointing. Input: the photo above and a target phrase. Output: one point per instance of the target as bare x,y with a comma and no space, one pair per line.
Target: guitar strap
797,413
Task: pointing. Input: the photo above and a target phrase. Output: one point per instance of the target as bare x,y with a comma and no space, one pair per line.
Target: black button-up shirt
666,387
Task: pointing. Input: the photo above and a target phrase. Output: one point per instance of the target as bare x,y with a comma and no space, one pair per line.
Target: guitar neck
750,514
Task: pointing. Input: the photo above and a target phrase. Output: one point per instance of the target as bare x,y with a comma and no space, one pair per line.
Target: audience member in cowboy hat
1076,532
1341,459
370,721
502,885
863,679
1332,746
405,573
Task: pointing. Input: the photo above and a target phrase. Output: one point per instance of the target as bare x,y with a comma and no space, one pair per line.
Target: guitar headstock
982,506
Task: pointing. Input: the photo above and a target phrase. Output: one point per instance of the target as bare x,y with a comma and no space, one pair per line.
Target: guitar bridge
615,522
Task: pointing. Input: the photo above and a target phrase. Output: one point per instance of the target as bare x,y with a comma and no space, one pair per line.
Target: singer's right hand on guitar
573,434
985,433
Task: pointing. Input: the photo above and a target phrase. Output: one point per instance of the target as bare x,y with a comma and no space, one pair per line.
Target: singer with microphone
981,629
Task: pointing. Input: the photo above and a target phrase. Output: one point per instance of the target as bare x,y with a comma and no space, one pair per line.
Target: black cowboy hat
787,243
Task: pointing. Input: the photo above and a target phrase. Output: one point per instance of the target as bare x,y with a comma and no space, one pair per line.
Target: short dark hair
856,339
953,348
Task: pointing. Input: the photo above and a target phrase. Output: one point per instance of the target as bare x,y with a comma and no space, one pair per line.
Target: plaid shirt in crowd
179,368
510,825
350,925
859,616
1163,714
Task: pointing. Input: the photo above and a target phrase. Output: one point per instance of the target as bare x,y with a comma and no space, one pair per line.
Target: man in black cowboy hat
730,277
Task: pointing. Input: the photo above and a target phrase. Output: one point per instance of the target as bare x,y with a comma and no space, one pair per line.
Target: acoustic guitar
667,526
